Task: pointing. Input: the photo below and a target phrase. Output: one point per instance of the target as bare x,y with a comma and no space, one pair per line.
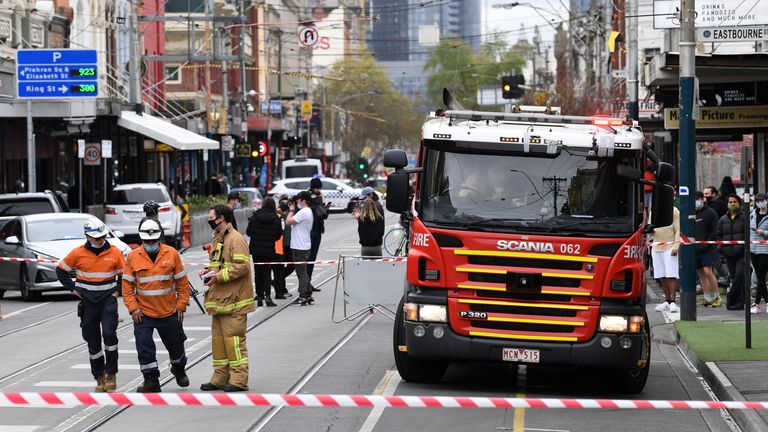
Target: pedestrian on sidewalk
712,195
229,300
281,250
320,214
731,227
665,261
369,194
156,291
264,229
98,267
758,231
370,229
233,202
300,219
706,226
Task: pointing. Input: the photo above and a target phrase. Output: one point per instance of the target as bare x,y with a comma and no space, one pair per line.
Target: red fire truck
526,244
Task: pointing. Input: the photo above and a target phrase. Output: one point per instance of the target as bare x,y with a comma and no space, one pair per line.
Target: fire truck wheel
632,381
412,369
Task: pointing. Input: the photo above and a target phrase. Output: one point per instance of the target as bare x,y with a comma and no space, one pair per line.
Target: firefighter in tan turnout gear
229,300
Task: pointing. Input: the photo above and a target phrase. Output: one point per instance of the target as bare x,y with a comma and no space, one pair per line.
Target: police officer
98,267
156,292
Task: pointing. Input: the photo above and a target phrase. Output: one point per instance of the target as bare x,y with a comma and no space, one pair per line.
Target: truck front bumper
603,350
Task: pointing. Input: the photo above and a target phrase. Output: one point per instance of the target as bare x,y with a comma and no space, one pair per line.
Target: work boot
209,387
181,377
259,301
151,385
268,301
110,382
100,384
229,388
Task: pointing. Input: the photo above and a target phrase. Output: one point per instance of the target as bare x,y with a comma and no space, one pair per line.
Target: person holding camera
264,230
300,219
320,214
229,300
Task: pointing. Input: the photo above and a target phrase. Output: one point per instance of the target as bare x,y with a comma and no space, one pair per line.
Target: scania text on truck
526,244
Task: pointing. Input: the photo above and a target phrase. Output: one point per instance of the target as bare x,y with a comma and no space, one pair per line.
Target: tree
452,65
366,111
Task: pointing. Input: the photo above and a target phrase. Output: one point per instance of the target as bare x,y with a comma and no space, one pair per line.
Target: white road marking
387,387
21,311
158,339
119,366
127,351
66,384
13,428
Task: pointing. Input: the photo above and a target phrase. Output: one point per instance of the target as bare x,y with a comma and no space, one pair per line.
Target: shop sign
722,117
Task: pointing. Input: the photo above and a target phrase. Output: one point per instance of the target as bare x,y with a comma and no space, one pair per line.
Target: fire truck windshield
520,192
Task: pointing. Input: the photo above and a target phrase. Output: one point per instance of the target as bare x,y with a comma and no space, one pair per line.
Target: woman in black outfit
370,228
264,229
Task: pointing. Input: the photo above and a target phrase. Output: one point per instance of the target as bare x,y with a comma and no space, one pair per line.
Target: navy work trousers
100,319
171,333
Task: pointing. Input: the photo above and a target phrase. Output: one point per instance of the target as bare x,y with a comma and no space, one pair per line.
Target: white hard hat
95,229
150,230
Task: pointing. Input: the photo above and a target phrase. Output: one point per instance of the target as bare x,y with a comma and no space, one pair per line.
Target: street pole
134,62
31,158
687,161
632,82
747,276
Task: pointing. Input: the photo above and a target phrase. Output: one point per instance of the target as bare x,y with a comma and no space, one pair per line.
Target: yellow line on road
518,422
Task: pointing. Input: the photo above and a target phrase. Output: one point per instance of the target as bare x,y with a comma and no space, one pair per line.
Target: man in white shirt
300,218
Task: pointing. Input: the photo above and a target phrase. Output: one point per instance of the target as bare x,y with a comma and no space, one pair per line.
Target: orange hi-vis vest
157,288
95,273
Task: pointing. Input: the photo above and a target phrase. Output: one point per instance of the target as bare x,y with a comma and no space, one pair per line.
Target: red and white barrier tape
208,263
707,242
48,399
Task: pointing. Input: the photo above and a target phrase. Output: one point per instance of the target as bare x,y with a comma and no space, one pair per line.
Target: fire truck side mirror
665,173
396,159
663,204
397,191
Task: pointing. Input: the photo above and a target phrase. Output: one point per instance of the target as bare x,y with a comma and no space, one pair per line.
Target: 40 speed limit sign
92,154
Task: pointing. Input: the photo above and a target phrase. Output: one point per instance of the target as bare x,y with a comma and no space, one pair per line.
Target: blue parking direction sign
56,73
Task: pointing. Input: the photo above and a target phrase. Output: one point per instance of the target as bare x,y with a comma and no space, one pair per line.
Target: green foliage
199,204
452,65
362,109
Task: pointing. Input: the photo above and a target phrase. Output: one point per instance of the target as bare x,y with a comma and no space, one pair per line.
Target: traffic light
511,86
362,165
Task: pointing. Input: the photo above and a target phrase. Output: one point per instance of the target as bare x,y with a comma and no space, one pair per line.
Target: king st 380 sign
56,74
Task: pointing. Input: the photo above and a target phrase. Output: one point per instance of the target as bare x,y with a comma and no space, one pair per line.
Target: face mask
733,207
151,248
299,206
96,246
708,199
699,204
237,206
761,204
213,224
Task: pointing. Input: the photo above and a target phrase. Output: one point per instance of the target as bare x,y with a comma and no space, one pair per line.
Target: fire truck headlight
411,311
613,323
433,313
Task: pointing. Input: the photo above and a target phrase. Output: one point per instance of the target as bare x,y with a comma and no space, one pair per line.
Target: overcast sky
511,20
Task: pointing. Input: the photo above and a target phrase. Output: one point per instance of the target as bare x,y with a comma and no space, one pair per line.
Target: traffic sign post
56,73
92,154
308,36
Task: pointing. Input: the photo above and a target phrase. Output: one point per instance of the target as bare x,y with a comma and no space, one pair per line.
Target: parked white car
125,209
335,191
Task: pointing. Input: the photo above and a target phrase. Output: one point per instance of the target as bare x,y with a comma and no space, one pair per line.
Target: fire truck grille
502,278
522,296
495,325
522,310
525,262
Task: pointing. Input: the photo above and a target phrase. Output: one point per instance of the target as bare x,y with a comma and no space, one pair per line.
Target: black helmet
151,207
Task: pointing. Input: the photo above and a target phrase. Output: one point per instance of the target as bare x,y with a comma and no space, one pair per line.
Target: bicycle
396,239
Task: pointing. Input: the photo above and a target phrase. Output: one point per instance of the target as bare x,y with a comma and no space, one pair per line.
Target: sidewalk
715,345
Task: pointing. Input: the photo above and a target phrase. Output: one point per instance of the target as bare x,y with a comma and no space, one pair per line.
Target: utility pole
31,157
243,90
207,47
555,187
687,157
632,82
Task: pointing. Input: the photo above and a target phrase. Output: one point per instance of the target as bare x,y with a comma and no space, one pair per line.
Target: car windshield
136,196
564,192
57,229
26,206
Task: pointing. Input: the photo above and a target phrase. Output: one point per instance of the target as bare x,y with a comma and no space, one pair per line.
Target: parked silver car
46,236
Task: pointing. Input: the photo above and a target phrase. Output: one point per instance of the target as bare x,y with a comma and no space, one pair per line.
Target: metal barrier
371,282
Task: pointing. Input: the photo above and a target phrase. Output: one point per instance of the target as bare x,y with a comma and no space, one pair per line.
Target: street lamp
537,9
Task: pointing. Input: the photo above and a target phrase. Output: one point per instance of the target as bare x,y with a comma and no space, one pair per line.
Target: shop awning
165,132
